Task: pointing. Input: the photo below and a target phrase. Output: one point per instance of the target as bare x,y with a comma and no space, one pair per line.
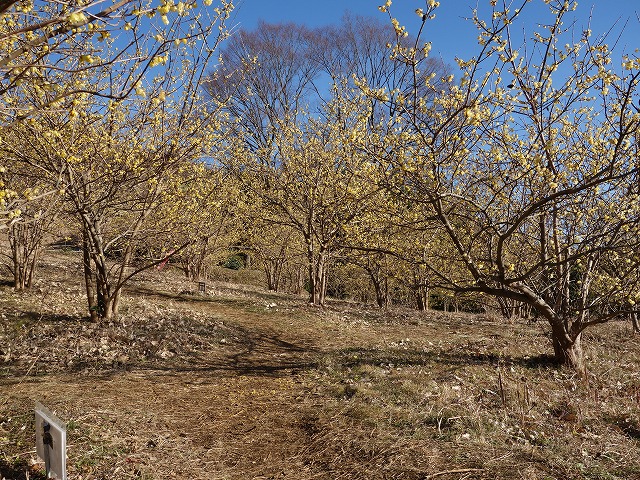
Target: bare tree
266,79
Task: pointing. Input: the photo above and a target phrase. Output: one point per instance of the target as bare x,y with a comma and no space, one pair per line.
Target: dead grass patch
245,384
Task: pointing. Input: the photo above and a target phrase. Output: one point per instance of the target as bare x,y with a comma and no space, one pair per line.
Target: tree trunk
317,274
506,307
89,278
568,352
268,270
273,269
114,299
635,322
380,285
187,267
321,280
381,297
24,242
110,308
422,297
298,280
311,272
420,302
32,267
96,272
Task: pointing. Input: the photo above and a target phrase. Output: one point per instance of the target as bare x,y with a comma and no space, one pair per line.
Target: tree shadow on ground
249,353
353,357
263,353
194,296
266,355
53,317
19,469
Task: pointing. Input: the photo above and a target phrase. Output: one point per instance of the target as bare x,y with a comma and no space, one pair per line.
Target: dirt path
243,404
223,413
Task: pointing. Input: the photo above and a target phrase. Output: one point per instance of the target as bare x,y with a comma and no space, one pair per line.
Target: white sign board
51,442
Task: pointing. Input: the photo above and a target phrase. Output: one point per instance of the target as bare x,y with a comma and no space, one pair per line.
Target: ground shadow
629,426
196,296
19,469
70,244
53,317
250,353
263,353
352,357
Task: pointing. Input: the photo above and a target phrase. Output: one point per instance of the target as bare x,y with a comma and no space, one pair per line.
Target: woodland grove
342,160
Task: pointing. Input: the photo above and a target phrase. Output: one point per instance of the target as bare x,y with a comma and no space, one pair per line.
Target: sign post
51,442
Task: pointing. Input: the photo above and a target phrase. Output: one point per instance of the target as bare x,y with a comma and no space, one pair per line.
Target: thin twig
459,470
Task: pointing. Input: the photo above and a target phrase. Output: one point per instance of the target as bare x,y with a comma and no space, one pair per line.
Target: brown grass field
239,383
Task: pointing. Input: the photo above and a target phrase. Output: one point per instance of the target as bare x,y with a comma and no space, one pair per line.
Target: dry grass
244,384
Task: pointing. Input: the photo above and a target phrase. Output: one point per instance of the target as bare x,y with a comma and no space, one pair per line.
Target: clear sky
450,34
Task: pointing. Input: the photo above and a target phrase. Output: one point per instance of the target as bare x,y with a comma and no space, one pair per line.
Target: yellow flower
77,18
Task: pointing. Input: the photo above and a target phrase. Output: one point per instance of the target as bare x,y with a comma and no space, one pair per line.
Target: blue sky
450,34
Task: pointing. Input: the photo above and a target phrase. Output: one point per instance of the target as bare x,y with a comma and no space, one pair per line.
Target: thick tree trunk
110,308
317,284
568,352
96,273
567,346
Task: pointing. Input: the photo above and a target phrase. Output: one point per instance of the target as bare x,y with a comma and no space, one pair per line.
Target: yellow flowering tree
273,243
202,208
316,183
272,82
48,49
528,169
36,218
112,158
